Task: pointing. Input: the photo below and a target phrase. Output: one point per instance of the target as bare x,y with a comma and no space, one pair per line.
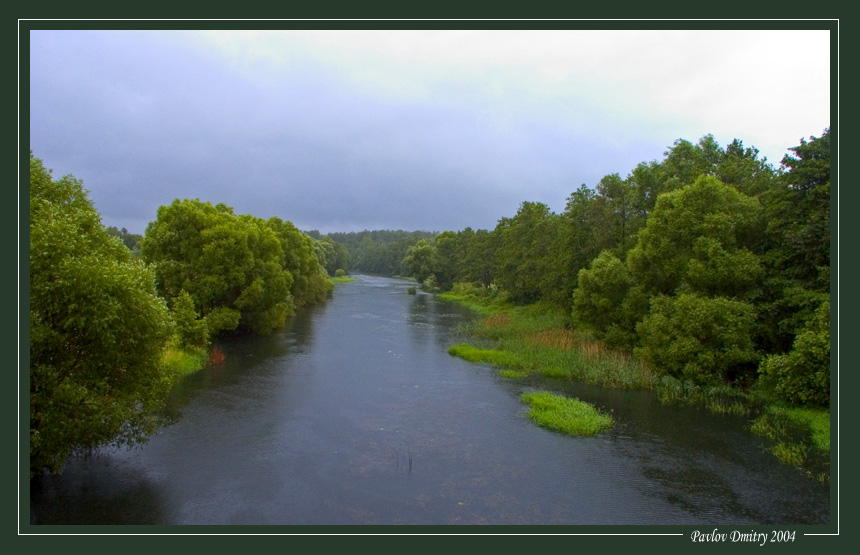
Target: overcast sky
430,130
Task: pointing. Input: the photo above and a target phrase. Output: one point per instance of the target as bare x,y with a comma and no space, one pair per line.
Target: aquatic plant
567,415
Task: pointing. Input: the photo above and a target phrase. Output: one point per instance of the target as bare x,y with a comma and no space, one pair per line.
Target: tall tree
232,266
97,329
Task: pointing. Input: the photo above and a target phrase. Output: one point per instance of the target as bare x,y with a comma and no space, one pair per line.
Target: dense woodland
711,265
379,252
114,314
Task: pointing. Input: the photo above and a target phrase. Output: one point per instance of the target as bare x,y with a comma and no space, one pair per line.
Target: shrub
802,375
702,339
192,331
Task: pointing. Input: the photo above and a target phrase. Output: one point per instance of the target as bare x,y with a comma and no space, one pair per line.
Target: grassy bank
537,339
341,279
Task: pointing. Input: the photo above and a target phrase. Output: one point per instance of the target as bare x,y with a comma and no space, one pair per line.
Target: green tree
798,215
707,340
700,237
97,329
479,262
420,260
299,258
802,375
232,266
527,257
600,292
190,328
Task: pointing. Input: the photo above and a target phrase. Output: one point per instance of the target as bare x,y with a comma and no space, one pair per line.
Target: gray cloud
143,120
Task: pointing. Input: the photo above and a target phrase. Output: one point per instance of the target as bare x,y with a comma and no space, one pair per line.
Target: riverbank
538,339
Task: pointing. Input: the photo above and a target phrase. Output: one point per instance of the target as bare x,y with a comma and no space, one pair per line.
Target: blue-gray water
355,414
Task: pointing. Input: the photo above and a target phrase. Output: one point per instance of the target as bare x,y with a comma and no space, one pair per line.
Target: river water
354,413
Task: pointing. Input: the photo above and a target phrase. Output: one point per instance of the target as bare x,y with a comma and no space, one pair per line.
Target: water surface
354,413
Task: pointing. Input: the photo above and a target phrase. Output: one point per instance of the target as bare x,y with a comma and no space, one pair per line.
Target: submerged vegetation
562,414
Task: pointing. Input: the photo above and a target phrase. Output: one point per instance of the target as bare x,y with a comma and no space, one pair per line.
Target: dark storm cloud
332,141
143,122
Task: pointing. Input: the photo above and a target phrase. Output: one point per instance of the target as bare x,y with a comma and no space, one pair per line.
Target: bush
702,339
339,273
192,331
600,292
802,375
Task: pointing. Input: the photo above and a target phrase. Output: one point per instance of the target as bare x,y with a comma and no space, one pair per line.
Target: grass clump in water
566,415
513,374
341,279
491,356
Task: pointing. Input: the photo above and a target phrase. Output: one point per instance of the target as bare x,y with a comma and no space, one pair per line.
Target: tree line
710,265
379,252
106,305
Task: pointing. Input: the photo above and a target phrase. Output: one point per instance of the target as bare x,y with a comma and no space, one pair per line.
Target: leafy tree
420,260
608,301
448,261
798,214
299,258
97,329
380,252
601,289
130,240
232,266
190,328
479,263
699,237
706,340
527,255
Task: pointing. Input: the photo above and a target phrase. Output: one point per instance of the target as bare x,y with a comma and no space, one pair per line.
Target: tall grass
536,339
183,362
800,436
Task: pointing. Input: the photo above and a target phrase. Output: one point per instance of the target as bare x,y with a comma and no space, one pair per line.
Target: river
354,413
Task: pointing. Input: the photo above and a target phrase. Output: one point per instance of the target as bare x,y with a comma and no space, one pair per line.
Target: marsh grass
800,436
183,362
536,339
566,415
719,399
490,356
513,374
